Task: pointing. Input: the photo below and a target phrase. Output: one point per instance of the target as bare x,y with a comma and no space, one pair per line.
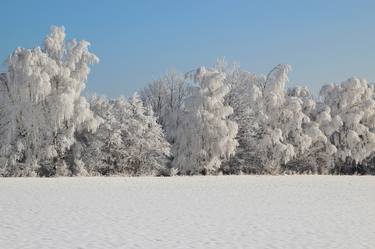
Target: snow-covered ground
188,212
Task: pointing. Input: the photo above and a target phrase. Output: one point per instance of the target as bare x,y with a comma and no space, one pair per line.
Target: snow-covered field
188,212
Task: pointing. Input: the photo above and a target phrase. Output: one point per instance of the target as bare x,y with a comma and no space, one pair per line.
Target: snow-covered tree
242,97
166,96
273,113
352,106
318,158
274,126
155,95
41,96
129,141
147,147
205,136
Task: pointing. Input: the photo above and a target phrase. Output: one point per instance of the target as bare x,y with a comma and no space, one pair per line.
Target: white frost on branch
206,136
128,142
352,107
44,106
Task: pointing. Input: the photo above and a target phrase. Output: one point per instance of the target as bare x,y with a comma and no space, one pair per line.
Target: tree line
217,120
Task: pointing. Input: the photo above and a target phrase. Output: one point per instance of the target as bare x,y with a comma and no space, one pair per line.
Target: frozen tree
148,148
129,141
242,97
272,112
41,96
155,95
166,96
352,107
319,157
99,151
206,136
290,115
274,126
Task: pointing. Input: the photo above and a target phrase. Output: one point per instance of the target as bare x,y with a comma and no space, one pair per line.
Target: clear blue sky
138,41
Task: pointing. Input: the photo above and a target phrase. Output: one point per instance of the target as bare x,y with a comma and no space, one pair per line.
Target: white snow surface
188,212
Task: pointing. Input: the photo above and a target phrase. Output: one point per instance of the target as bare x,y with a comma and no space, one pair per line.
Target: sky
139,41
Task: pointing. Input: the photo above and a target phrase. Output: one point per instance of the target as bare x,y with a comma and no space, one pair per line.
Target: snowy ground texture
188,212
